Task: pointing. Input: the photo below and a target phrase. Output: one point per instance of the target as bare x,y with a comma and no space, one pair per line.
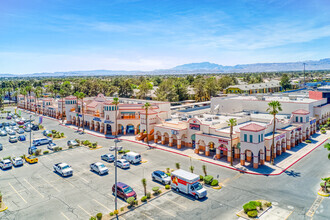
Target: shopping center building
206,134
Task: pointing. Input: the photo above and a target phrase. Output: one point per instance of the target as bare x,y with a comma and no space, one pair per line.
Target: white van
132,157
41,141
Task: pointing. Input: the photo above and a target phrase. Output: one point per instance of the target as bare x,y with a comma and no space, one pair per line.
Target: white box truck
186,182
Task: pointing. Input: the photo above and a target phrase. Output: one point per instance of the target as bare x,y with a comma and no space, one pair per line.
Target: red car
20,122
124,191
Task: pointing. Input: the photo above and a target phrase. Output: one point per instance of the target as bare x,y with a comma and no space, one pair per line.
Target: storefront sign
195,127
313,121
223,148
108,122
97,119
221,141
280,137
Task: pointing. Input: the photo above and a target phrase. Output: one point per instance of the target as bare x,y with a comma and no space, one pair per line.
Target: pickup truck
63,169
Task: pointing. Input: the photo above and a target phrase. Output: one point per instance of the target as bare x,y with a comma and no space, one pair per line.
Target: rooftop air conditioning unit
293,97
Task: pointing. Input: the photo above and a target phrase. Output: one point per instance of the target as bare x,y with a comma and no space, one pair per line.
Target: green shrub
208,179
126,151
92,218
70,147
143,199
168,174
38,152
252,214
323,131
49,135
214,183
250,206
94,144
268,204
156,190
46,152
111,214
136,202
99,216
308,141
148,195
120,151
5,158
131,201
167,170
122,209
201,177
60,148
54,131
167,186
62,134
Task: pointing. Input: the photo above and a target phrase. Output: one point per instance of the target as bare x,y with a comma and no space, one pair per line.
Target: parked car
27,129
32,149
10,114
46,132
15,128
13,139
3,133
6,124
17,161
1,147
31,159
12,123
161,177
51,146
22,138
42,141
132,157
99,168
20,131
35,127
11,132
72,143
8,117
63,169
6,164
122,163
108,157
21,122
124,191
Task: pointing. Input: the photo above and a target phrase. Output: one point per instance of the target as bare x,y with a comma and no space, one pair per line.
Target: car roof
6,161
122,160
98,163
62,164
21,136
122,185
159,172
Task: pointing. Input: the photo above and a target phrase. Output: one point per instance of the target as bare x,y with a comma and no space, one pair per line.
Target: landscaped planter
250,209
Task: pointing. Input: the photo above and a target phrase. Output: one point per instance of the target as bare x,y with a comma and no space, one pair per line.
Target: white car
51,146
122,163
13,139
17,161
132,157
6,164
161,177
72,143
99,168
63,169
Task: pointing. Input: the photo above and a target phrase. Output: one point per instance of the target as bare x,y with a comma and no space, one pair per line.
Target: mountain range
203,67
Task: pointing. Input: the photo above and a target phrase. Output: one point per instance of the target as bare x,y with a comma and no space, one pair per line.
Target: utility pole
30,131
304,75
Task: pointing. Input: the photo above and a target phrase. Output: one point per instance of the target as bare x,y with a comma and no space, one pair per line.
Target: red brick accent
179,146
207,153
262,162
255,165
243,162
196,151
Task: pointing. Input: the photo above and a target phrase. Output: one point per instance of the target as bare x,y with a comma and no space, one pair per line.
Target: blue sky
67,35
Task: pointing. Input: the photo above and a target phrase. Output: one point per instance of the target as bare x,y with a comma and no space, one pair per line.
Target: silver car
3,133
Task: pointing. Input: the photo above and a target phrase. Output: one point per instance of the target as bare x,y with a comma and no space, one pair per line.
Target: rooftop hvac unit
293,97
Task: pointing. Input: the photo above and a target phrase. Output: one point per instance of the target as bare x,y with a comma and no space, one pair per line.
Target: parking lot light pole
30,131
116,141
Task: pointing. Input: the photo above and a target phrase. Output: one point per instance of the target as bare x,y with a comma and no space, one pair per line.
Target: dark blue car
21,138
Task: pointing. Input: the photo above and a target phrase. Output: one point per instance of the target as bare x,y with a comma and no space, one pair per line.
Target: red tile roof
301,112
253,127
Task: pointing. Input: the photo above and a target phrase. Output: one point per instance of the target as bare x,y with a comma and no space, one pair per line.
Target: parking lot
36,192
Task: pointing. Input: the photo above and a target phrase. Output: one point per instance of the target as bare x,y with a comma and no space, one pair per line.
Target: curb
4,209
181,154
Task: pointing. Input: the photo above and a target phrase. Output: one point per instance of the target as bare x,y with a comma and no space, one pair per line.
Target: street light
116,149
30,130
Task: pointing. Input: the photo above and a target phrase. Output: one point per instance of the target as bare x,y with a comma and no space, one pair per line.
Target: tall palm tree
1,99
37,92
76,94
116,103
146,107
231,123
23,92
82,96
29,89
273,109
62,94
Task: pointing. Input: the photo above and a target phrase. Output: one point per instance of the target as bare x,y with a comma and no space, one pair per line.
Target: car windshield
197,186
102,165
164,175
128,190
66,167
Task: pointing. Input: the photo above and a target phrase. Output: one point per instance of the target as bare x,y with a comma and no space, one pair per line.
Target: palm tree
82,96
29,89
1,99
231,122
274,108
116,103
62,94
23,92
144,183
37,92
147,106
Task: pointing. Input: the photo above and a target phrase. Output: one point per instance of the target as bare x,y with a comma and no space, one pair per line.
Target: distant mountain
204,67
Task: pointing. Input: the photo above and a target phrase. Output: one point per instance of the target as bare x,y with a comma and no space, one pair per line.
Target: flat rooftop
276,98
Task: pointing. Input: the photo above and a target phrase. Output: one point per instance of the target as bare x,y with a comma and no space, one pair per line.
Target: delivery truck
188,183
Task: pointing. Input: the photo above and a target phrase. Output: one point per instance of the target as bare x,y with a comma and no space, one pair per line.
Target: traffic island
325,187
254,209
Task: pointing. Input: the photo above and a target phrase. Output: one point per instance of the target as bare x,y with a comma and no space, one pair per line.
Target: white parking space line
17,193
102,205
64,216
85,211
49,183
175,203
161,209
146,216
34,188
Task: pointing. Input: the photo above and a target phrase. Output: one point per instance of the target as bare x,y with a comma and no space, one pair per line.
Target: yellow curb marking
49,183
17,193
288,215
161,209
4,209
33,188
90,215
144,161
102,205
314,207
65,216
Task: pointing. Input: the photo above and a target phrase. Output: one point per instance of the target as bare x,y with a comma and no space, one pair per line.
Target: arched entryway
120,129
158,137
193,140
249,156
166,138
92,125
174,140
183,140
108,129
130,129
